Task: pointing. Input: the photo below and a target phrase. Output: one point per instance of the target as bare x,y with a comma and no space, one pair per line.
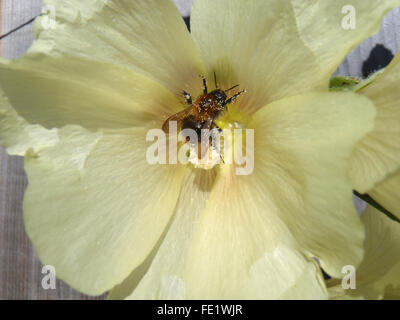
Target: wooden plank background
20,269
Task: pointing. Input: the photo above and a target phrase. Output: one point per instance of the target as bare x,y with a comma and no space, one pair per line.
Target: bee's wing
178,117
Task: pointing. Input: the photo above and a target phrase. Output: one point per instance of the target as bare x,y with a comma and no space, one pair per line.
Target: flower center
220,143
203,122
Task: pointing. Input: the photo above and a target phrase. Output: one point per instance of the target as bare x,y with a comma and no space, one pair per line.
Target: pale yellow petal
106,64
328,30
304,144
148,36
171,257
257,234
94,208
382,245
255,44
387,193
56,91
17,136
125,288
379,273
378,154
220,249
391,281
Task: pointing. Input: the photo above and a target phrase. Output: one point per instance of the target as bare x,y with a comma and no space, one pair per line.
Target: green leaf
343,83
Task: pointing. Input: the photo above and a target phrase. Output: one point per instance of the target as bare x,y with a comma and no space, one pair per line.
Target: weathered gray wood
20,270
184,6
14,14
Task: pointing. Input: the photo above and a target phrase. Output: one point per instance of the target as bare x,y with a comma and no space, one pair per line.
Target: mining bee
200,114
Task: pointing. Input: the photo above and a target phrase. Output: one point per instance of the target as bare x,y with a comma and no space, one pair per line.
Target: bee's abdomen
190,122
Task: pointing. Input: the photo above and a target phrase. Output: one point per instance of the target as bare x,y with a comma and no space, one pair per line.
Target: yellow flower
375,163
378,274
88,91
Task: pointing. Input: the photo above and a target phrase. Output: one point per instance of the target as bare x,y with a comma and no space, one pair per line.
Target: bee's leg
205,90
233,98
214,145
212,141
222,158
188,97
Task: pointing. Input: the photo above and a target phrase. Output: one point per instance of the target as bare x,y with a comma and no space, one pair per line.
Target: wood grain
20,269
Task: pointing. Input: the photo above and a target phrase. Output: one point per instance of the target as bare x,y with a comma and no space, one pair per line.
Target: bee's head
219,95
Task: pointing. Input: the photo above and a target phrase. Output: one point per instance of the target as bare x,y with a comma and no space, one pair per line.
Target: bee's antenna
215,80
232,88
